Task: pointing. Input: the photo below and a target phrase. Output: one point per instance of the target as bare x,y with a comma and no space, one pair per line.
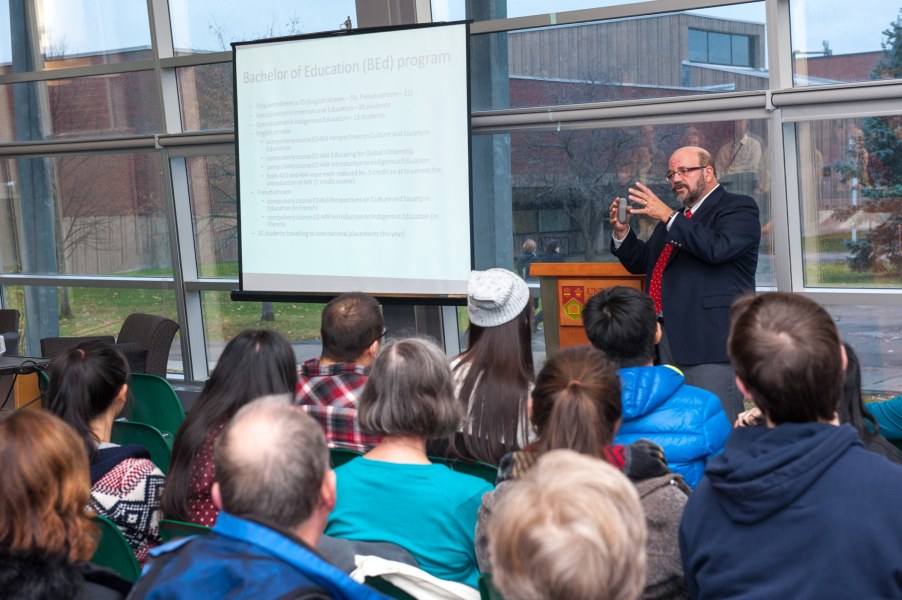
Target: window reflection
205,97
86,215
832,44
681,54
211,187
850,188
103,106
212,25
563,182
875,332
73,33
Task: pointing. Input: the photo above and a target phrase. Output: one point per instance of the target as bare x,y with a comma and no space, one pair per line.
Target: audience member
888,415
493,376
394,493
274,500
576,406
687,422
738,161
329,387
570,528
851,410
802,492
88,386
527,255
255,363
698,260
46,535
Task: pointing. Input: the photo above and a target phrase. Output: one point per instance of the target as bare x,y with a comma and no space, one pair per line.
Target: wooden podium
565,288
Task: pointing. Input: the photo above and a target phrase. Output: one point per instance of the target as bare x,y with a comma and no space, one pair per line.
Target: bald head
271,460
689,182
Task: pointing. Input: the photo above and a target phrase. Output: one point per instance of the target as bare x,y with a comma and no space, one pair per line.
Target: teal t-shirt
427,509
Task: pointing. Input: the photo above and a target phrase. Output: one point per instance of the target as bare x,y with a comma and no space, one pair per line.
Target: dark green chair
342,455
487,589
389,589
156,442
171,529
113,550
153,401
471,467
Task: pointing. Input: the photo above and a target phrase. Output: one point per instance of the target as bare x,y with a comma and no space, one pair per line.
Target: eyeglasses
381,335
682,171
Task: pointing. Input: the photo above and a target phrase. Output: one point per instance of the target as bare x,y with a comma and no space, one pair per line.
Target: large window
652,56
850,187
563,182
834,41
200,26
721,48
73,33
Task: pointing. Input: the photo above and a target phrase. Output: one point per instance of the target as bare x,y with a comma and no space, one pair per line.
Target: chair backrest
470,467
340,456
113,550
9,329
487,589
171,529
159,446
154,402
155,333
54,346
9,320
387,588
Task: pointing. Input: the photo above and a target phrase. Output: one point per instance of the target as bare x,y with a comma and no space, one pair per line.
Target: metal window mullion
622,11
194,347
793,211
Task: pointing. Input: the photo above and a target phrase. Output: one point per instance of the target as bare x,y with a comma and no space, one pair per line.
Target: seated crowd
615,479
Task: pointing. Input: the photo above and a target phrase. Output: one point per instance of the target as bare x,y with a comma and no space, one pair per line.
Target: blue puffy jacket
687,422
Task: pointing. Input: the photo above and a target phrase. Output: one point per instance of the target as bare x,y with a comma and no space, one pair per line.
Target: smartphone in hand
622,215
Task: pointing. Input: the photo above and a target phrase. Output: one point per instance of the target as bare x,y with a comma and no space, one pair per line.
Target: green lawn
99,311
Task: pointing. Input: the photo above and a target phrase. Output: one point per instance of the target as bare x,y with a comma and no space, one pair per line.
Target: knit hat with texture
495,297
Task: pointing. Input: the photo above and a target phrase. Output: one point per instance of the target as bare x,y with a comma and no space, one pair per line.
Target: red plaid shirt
329,393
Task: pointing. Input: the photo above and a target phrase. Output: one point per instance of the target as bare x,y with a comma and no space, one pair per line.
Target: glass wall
645,57
833,41
850,189
117,176
563,182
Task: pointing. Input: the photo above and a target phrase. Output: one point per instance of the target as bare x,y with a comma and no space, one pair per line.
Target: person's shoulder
463,484
702,397
140,468
669,489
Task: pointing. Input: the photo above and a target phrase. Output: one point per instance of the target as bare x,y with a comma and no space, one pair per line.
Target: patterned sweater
129,495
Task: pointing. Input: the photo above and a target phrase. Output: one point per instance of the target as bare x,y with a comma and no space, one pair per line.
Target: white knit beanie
495,297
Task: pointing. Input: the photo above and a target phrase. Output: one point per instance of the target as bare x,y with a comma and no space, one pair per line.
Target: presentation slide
354,162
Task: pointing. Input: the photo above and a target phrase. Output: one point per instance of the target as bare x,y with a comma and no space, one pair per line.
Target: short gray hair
270,462
410,392
572,527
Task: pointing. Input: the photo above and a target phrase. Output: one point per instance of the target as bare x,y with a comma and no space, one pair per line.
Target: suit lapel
708,206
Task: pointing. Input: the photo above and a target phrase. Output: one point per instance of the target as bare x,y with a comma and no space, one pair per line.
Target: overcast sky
82,26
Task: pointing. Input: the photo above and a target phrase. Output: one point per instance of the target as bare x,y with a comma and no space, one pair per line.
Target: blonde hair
44,487
572,527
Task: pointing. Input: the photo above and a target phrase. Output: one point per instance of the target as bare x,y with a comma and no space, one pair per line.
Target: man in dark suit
697,261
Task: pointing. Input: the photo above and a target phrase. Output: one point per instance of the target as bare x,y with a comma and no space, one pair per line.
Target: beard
686,194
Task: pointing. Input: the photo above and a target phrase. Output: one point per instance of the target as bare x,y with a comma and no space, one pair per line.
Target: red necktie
657,274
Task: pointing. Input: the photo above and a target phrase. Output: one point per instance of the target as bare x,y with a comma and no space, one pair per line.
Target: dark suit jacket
713,262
